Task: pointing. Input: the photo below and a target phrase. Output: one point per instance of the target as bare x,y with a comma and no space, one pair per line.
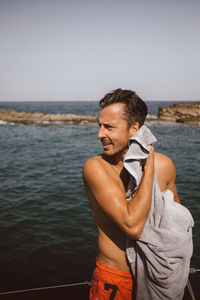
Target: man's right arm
130,216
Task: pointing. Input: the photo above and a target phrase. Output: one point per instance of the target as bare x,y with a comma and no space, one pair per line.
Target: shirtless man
121,115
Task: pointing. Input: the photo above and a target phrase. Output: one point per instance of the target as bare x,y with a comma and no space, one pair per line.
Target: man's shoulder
93,165
165,168
93,161
96,171
166,173
163,160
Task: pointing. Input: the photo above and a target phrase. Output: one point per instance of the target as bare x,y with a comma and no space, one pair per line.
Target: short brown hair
135,108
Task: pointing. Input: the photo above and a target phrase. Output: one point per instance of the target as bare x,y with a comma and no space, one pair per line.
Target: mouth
106,144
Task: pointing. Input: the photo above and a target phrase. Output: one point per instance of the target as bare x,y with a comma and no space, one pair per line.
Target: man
121,115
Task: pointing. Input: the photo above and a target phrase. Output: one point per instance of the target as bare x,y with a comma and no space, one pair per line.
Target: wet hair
135,108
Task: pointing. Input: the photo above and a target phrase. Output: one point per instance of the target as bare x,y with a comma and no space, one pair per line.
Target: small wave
42,122
58,122
6,123
3,122
152,117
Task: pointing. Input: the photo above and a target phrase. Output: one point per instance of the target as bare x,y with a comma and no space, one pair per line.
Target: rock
35,117
188,113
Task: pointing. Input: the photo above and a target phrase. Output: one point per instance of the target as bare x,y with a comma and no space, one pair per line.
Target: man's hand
149,162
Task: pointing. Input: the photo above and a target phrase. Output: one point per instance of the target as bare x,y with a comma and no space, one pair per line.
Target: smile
106,144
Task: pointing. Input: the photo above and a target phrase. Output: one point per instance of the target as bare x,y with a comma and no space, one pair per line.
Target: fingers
151,149
149,163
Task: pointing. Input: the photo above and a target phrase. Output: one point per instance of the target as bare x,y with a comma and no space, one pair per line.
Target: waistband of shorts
112,270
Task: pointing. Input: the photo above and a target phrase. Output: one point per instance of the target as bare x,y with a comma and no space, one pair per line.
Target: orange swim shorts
111,284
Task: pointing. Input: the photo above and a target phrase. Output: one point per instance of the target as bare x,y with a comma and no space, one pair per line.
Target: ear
134,128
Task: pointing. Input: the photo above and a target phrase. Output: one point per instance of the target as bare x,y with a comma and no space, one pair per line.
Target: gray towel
160,258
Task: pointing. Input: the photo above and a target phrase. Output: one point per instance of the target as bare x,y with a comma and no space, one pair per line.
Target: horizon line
81,100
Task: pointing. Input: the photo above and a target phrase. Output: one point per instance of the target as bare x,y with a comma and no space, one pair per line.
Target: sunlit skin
106,181
114,132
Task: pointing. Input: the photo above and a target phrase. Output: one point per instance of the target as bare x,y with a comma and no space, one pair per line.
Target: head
122,113
135,110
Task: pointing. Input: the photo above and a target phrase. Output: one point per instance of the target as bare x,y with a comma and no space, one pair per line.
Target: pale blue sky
81,49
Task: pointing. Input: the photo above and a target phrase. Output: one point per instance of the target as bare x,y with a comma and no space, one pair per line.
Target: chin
107,153
111,154
116,154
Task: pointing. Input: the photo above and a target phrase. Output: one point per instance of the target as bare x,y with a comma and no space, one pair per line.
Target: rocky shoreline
188,113
27,118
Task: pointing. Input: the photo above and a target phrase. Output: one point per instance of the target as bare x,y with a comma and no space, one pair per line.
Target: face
114,132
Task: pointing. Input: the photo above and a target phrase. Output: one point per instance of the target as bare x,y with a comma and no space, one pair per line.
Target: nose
101,133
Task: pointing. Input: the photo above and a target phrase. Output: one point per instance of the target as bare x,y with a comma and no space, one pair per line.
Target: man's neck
115,160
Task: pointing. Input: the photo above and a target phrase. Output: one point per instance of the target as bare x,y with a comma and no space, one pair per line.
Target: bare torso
111,239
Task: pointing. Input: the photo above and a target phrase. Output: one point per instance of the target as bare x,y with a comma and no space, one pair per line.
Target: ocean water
48,236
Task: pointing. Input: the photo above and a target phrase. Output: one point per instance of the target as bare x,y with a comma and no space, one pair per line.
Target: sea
47,234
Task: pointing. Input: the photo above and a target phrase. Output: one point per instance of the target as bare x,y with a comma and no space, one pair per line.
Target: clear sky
81,49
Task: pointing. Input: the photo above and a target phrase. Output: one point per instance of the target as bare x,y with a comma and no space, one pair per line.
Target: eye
108,126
